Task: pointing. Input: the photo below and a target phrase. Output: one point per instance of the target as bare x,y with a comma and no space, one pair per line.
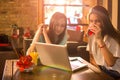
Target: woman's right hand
42,28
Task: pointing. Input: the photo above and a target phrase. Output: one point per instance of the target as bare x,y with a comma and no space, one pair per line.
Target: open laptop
56,56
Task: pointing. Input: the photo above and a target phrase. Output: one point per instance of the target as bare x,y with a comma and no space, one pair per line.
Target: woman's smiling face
59,27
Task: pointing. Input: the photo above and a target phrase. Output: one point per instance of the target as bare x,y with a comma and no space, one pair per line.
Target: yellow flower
34,56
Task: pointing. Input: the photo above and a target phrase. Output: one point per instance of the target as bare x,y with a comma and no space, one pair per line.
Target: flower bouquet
25,63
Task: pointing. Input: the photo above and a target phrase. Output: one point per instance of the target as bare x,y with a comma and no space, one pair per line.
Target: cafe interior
18,24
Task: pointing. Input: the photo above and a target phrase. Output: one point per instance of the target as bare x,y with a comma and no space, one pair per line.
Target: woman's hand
42,29
97,32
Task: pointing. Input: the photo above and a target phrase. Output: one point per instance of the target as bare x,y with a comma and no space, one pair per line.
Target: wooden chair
76,36
75,44
7,50
26,44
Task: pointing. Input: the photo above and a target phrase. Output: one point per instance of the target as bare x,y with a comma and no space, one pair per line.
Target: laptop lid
57,56
53,55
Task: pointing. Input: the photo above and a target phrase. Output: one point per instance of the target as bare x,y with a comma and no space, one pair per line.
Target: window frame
65,5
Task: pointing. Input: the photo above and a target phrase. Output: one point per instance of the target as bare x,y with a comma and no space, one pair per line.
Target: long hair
53,23
107,27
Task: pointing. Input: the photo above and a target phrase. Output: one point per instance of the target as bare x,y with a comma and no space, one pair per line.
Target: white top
112,46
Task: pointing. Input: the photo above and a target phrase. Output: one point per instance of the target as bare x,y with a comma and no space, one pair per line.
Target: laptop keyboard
76,64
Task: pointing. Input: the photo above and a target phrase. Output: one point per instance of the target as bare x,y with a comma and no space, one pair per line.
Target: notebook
56,56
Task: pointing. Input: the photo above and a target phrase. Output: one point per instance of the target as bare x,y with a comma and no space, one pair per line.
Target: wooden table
46,73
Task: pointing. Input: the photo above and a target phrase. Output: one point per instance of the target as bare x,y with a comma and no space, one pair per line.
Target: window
73,9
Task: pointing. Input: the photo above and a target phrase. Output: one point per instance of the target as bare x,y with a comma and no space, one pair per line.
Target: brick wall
24,13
